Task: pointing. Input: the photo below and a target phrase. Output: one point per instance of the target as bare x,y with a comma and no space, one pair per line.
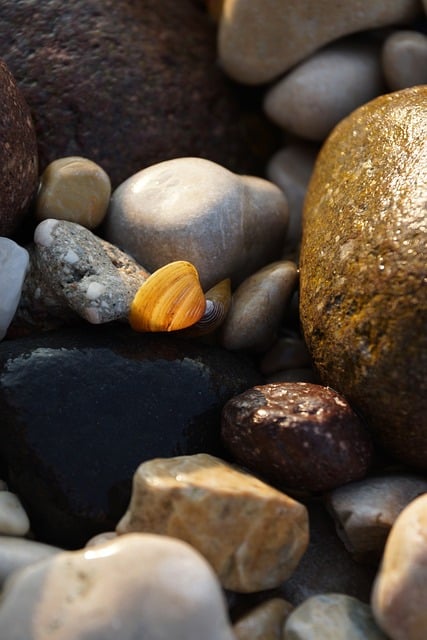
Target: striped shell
218,301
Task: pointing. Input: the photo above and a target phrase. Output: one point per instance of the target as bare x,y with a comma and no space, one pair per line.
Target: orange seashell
170,299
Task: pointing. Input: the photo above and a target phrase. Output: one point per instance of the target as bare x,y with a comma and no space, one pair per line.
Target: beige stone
258,41
13,518
404,59
252,534
265,622
400,590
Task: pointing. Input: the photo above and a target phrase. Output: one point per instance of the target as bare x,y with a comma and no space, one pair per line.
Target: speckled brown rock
18,151
363,299
125,84
297,434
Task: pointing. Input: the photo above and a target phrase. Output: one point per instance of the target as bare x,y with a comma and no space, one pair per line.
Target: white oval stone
13,519
14,261
17,553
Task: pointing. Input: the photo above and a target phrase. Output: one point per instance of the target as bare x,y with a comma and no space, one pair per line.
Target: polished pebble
264,622
17,553
14,261
253,535
404,59
288,352
13,518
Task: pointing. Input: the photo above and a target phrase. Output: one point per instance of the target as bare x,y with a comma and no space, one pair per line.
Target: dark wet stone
82,408
298,435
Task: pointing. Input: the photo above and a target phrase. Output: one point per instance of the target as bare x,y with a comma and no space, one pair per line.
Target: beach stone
138,586
166,213
305,374
288,352
74,189
297,434
332,615
404,59
13,519
113,82
365,511
364,222
252,535
399,593
82,407
314,96
14,261
258,307
17,553
259,41
264,622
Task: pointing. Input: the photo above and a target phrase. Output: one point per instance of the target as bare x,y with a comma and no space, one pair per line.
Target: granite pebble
404,59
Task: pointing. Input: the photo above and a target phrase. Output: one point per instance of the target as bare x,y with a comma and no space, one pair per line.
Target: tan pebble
252,534
13,519
74,189
265,622
400,590
404,59
258,307
105,536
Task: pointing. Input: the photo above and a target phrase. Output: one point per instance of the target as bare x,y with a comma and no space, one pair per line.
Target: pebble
13,518
365,511
364,222
312,98
111,399
332,615
404,59
298,435
258,306
288,352
192,209
138,586
14,261
305,374
259,41
253,535
264,622
17,553
75,189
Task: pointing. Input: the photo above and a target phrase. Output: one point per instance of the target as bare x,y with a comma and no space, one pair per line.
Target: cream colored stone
400,590
17,553
74,189
138,586
13,519
253,535
265,622
101,538
258,307
258,41
404,59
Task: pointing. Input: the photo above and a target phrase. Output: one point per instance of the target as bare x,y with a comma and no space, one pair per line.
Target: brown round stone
18,149
300,435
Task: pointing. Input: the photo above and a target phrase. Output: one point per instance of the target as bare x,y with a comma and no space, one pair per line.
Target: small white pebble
94,290
43,232
13,519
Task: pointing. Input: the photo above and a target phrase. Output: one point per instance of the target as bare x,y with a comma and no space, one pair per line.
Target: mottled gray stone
404,59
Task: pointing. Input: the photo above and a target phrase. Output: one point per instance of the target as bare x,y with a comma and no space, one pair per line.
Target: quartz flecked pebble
312,98
253,535
400,590
13,518
332,615
259,41
196,210
300,435
17,553
404,59
14,261
365,511
75,189
264,622
137,586
258,307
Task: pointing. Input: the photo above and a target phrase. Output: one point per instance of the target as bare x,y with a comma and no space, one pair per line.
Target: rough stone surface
298,435
253,535
365,224
404,59
112,81
18,148
264,622
14,261
81,408
193,209
17,553
400,589
258,41
138,586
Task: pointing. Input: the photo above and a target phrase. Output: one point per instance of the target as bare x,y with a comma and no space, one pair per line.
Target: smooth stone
297,435
363,303
13,518
196,210
105,536
252,535
294,375
83,407
264,622
17,553
113,82
258,307
138,586
75,189
404,59
400,588
288,352
259,41
365,511
18,147
291,168
14,261
332,615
